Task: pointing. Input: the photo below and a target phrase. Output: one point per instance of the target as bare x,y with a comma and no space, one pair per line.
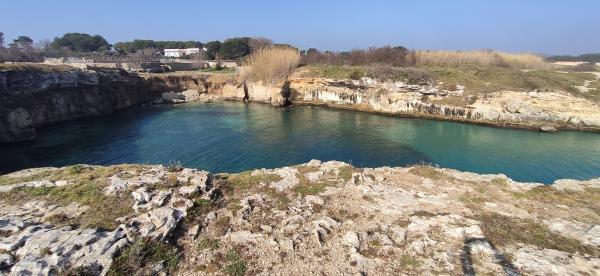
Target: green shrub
208,244
236,266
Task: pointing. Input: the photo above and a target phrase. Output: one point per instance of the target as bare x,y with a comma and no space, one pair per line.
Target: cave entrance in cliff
286,93
246,96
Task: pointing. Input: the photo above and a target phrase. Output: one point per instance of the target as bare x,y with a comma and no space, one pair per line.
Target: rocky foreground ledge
315,218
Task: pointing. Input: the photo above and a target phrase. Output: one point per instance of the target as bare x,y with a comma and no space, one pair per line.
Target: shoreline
431,117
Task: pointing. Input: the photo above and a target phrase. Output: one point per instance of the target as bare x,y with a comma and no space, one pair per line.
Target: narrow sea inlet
233,137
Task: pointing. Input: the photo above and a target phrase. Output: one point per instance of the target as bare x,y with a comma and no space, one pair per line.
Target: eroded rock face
32,98
507,108
525,109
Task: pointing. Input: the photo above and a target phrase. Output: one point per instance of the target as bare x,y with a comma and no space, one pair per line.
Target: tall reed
484,58
270,64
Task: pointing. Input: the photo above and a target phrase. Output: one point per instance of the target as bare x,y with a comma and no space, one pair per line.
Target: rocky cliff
533,110
507,108
30,98
315,218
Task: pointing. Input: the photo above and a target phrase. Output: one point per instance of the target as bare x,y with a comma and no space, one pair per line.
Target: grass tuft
427,172
246,180
208,244
236,266
345,172
305,187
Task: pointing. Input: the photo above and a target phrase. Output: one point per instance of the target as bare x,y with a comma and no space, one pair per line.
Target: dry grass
588,198
86,189
305,187
140,258
427,172
502,230
483,58
345,172
32,66
86,193
245,180
270,64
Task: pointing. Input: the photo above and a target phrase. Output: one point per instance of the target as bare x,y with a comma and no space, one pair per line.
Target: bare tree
42,45
1,40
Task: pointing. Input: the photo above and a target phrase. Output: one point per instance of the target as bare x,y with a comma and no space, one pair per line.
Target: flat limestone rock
314,218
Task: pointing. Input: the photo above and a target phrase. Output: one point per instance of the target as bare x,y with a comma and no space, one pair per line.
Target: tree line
585,57
85,45
80,45
395,56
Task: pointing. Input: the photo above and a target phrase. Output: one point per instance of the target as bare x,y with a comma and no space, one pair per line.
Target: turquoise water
232,137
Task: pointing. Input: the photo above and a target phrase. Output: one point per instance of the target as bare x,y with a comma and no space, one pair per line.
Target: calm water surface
232,137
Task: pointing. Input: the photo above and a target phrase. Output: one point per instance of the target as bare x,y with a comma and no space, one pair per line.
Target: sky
538,26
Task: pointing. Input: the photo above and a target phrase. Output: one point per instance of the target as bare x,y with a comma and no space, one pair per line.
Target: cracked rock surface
314,218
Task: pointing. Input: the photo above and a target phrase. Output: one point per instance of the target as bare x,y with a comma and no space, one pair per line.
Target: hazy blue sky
547,27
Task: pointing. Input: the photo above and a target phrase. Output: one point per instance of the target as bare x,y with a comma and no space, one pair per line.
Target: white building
180,52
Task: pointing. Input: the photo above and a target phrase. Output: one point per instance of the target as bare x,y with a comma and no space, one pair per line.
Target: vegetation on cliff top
271,64
40,67
475,78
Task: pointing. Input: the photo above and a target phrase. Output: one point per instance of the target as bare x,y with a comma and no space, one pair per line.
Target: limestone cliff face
506,108
30,98
518,109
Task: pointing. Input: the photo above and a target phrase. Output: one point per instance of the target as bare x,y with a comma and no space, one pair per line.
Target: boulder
172,97
191,95
512,106
351,240
547,128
